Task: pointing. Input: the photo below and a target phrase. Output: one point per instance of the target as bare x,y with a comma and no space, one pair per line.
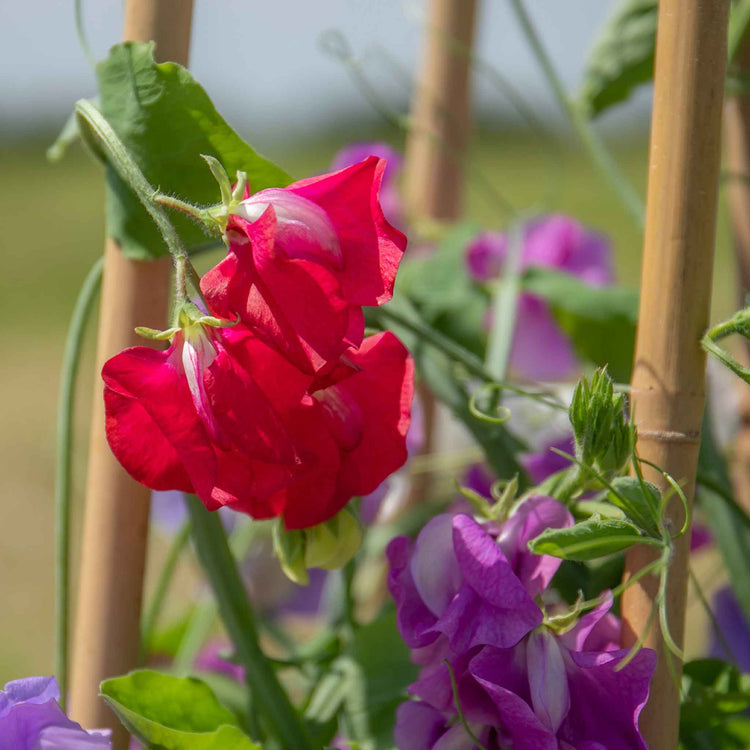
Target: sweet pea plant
283,396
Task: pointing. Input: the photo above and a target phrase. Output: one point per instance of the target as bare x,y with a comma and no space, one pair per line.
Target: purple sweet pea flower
31,719
389,197
457,580
461,590
547,692
544,463
540,350
735,630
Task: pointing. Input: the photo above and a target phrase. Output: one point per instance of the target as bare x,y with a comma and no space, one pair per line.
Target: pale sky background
262,63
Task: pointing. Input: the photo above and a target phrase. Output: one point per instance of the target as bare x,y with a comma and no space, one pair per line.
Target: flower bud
604,435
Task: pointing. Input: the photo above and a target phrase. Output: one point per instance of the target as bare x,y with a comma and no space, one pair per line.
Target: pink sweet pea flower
303,260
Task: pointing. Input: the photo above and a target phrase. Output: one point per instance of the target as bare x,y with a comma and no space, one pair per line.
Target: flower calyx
329,545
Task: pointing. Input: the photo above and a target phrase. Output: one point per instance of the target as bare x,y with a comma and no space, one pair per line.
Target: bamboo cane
669,370
436,146
737,130
115,529
440,116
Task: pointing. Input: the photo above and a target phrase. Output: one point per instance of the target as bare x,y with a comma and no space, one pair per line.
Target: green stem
504,307
471,362
581,124
151,617
217,561
63,468
125,166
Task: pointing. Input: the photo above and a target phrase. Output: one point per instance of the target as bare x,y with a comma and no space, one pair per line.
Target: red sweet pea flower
304,259
225,416
351,430
196,418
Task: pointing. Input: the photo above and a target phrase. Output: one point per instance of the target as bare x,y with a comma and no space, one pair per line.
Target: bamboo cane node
671,436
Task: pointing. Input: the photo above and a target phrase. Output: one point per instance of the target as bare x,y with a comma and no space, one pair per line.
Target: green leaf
623,56
173,713
166,120
640,502
713,692
444,294
599,320
595,537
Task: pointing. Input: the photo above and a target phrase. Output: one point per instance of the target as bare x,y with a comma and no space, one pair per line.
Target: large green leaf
166,120
172,713
599,320
622,57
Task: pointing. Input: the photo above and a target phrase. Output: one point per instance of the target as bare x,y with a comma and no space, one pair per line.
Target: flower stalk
219,565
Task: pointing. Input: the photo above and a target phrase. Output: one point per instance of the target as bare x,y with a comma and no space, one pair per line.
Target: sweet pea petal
151,423
418,726
372,247
540,350
548,681
28,690
597,630
434,567
303,228
485,256
381,387
492,606
530,519
294,305
414,620
72,738
605,704
502,674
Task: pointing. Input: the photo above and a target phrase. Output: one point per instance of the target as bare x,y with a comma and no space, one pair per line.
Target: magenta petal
548,681
485,256
605,704
597,630
418,726
434,567
530,519
492,606
414,620
303,228
502,674
540,350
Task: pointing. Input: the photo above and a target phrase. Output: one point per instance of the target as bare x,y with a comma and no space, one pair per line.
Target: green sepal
155,335
289,548
332,544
